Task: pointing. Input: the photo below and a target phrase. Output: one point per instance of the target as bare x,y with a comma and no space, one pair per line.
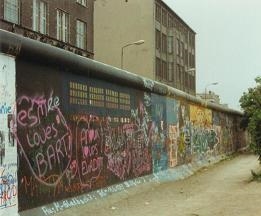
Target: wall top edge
28,49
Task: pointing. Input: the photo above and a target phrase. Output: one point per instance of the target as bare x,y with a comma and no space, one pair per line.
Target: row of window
40,20
80,94
167,20
165,45
165,71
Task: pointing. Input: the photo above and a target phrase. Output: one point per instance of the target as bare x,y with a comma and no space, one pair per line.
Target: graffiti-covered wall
74,125
76,134
8,150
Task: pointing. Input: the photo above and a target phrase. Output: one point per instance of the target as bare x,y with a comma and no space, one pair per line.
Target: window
158,68
178,75
164,70
181,49
164,17
96,96
187,76
62,20
78,93
82,2
191,60
11,11
40,16
81,34
186,56
170,71
158,40
170,44
177,47
170,21
181,75
164,43
111,99
124,101
158,13
192,40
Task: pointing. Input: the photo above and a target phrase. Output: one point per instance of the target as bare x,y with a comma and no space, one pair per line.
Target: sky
228,44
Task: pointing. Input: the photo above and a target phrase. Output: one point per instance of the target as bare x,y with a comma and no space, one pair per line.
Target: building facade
63,23
168,54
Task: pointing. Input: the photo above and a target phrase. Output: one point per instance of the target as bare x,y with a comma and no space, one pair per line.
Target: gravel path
222,189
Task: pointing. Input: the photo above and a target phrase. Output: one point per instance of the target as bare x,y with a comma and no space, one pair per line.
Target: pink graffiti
44,132
89,145
37,108
120,165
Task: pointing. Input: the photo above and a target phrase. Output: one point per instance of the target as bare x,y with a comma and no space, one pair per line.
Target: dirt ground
221,189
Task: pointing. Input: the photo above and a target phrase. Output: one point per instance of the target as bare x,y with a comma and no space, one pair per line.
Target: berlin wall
70,125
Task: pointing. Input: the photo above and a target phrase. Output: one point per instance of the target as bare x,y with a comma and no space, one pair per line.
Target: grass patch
256,176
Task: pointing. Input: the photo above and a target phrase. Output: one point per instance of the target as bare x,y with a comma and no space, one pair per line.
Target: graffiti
43,136
159,144
8,190
101,193
4,91
60,206
200,116
204,140
147,99
67,149
5,109
184,140
141,157
227,138
159,150
173,145
2,147
131,152
184,136
89,157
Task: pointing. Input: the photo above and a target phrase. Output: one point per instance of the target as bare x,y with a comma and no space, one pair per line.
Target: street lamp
191,70
139,42
215,83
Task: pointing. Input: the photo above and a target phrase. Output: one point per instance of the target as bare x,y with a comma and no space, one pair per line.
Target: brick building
168,54
67,24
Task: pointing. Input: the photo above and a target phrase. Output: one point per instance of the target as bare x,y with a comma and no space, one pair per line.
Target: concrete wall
82,126
8,147
110,38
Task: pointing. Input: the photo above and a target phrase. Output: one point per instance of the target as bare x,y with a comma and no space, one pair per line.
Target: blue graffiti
8,190
5,109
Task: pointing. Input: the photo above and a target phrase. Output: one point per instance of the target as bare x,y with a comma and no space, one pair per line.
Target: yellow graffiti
200,116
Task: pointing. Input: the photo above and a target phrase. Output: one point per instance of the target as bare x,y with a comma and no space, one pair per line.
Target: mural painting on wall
184,139
159,139
204,137
223,126
172,117
75,135
226,137
8,154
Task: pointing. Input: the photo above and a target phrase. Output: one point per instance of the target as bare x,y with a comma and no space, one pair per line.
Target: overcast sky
228,44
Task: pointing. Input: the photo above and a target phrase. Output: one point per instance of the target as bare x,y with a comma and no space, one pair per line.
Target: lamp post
215,83
139,42
191,70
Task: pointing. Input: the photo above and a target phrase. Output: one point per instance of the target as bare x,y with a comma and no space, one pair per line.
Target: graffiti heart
43,137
